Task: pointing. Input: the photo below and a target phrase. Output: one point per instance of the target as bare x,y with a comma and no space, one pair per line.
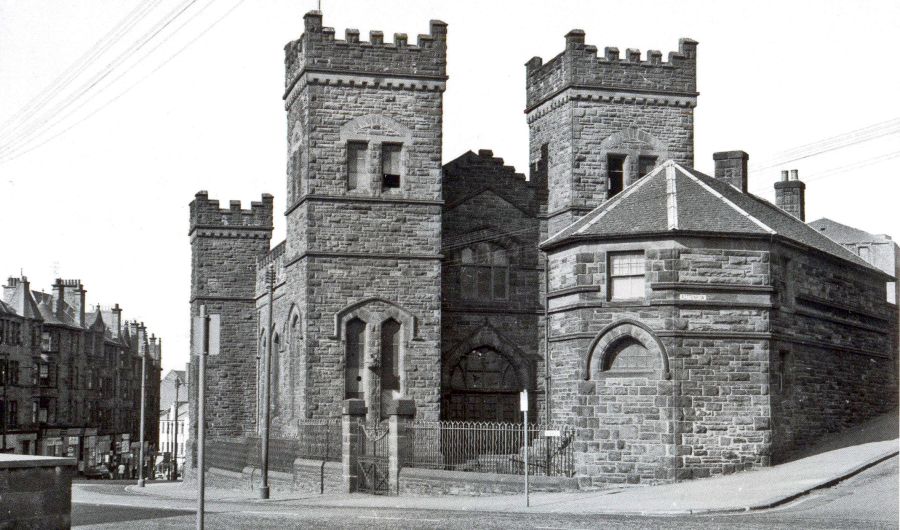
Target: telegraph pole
143,351
5,407
264,489
175,442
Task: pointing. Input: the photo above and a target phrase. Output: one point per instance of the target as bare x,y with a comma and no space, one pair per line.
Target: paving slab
749,490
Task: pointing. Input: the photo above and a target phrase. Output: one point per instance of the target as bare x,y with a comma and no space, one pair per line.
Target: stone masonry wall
225,246
833,356
585,108
706,311
490,203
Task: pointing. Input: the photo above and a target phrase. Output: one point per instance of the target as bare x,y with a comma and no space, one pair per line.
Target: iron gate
372,458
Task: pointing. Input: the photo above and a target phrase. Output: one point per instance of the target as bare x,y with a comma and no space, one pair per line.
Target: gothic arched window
353,370
484,272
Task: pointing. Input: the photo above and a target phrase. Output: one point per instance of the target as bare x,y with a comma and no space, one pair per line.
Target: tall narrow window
353,371
500,274
616,172
645,165
626,276
467,273
390,355
390,166
356,164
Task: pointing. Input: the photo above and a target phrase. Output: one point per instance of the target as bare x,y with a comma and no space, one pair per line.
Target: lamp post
175,442
267,359
143,353
5,368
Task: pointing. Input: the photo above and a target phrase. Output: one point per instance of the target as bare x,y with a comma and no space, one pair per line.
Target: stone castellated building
694,329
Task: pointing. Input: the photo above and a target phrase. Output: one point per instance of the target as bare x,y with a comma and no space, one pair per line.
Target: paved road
868,500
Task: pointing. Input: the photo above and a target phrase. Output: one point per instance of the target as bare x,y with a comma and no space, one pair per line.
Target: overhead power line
76,68
840,141
24,150
96,79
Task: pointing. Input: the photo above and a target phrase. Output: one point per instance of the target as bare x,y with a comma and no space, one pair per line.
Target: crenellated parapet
205,214
317,50
580,66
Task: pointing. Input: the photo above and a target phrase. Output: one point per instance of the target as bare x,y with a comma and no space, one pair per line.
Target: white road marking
396,518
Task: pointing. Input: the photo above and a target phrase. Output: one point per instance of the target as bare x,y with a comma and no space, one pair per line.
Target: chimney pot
784,175
794,175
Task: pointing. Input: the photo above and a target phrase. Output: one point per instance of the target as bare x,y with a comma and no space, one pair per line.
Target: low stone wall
414,481
308,476
35,491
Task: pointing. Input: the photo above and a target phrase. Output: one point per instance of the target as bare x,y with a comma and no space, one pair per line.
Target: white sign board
523,401
197,336
551,434
692,297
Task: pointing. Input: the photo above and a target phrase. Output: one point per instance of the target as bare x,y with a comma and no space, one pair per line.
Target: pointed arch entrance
481,385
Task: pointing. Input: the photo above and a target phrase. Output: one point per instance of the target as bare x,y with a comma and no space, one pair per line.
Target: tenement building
72,377
693,328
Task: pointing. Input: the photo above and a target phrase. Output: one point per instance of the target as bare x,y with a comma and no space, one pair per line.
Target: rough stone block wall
709,310
579,65
585,108
489,202
225,247
833,357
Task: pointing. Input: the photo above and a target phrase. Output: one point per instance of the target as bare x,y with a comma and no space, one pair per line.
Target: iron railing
320,439
488,447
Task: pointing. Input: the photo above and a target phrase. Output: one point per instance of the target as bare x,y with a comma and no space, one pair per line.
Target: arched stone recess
374,311
633,139
488,336
375,128
293,380
620,333
375,361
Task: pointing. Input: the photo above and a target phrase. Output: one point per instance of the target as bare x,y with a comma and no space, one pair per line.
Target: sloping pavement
751,490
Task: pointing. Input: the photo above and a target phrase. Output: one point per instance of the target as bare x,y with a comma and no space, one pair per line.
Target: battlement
318,50
205,213
581,66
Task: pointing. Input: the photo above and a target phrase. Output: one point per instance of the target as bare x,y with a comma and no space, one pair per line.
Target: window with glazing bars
626,275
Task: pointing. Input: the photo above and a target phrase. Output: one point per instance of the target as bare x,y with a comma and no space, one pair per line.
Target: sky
97,171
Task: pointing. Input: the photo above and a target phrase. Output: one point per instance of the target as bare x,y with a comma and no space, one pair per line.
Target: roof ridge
671,198
727,201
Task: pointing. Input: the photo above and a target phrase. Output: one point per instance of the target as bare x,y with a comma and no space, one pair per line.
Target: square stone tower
605,122
362,258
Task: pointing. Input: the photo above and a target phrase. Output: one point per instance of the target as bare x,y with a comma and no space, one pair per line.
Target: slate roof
845,234
672,199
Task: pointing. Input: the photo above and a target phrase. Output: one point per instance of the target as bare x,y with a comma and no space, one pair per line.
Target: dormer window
390,166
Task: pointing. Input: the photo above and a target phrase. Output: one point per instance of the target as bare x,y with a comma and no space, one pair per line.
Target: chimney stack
60,288
790,195
731,167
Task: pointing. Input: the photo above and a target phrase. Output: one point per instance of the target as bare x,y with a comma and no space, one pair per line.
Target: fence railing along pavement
489,447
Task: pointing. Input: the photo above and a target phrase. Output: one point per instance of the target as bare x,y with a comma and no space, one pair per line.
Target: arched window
390,363
275,371
353,370
483,386
484,272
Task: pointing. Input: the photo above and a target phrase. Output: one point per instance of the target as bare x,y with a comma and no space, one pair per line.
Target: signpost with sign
523,406
205,341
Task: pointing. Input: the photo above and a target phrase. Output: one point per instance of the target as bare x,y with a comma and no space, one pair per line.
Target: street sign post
523,406
205,340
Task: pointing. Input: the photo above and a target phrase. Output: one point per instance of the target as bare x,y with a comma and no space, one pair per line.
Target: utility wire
76,68
147,37
128,89
23,147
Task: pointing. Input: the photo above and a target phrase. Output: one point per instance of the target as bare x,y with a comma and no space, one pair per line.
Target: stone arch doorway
481,385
